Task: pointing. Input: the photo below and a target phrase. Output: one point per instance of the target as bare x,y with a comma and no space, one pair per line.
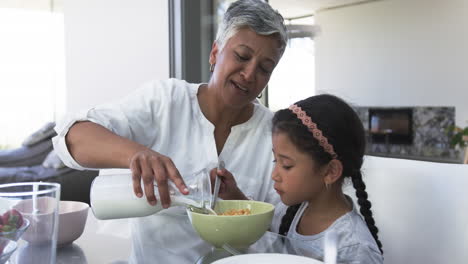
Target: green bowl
239,231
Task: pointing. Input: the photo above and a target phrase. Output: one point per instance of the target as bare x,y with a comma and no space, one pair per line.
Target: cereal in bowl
237,212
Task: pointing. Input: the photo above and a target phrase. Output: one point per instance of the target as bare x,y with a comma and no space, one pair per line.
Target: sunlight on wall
32,72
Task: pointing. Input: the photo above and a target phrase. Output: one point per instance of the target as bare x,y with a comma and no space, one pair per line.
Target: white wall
396,53
112,47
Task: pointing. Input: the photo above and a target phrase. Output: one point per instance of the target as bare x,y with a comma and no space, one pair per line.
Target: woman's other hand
228,189
150,166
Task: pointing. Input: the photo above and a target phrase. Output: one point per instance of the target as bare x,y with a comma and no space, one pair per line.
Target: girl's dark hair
342,127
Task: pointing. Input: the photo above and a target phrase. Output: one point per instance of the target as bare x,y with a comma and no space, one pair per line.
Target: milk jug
112,196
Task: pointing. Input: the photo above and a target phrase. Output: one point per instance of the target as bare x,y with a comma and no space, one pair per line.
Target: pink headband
316,132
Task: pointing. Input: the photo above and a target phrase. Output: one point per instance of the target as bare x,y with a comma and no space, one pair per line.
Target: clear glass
112,196
30,210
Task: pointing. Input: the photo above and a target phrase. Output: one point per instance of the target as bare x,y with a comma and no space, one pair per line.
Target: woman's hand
151,166
228,189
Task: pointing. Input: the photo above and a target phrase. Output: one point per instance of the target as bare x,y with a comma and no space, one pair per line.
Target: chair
420,209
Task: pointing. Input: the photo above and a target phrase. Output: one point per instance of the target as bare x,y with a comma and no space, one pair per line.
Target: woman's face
297,176
244,66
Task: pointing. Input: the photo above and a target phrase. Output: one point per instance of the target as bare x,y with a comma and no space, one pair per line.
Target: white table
95,247
102,244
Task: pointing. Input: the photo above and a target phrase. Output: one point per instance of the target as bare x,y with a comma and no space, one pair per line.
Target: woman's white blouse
166,117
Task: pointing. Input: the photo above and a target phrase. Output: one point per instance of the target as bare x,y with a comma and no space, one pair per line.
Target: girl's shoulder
355,239
360,254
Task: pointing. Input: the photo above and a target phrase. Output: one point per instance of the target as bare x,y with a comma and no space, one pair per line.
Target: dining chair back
420,209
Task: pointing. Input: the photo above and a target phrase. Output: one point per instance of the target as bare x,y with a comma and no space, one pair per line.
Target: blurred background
60,56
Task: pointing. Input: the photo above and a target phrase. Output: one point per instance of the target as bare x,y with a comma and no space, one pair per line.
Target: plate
270,258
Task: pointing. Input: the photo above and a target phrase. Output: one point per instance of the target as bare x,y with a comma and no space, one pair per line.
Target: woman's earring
212,67
327,186
260,96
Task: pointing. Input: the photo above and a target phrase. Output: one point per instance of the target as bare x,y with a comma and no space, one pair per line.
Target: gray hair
255,14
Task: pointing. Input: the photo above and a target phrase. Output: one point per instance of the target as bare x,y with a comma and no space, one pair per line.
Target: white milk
105,209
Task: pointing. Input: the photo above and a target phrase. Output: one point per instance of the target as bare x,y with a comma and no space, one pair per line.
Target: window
294,76
32,70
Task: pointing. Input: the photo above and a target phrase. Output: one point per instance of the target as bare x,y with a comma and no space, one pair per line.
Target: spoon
201,210
231,250
217,185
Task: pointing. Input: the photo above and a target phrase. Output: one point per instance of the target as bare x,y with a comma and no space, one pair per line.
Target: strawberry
8,228
12,217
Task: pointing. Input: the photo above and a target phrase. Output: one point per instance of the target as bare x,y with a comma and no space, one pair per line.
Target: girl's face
244,66
297,176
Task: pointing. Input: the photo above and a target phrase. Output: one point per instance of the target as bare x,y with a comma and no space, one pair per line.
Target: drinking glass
35,204
112,196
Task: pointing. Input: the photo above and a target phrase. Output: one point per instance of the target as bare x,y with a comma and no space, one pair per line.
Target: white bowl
72,221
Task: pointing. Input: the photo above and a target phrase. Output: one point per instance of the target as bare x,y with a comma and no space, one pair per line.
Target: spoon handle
217,185
231,250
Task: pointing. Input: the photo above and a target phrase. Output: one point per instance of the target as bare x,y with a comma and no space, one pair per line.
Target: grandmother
169,129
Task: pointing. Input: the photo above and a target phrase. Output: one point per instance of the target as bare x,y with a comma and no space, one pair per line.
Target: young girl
317,143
